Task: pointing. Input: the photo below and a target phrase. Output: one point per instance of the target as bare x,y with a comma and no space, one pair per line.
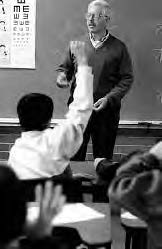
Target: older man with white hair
113,76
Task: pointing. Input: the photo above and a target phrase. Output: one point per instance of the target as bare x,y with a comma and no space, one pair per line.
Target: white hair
106,9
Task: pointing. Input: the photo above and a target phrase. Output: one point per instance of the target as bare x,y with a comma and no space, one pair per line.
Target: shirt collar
97,44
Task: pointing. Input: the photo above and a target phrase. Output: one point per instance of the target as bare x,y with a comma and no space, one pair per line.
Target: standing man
113,76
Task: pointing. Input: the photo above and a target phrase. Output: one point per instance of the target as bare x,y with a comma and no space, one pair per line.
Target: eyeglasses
93,16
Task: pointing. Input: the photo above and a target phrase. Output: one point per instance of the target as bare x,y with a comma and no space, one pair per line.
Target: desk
98,190
96,232
86,167
136,231
133,221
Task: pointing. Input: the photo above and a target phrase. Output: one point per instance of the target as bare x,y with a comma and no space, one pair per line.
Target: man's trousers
102,128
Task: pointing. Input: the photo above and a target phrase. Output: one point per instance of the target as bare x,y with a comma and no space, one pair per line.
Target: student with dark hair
137,187
44,152
35,111
13,213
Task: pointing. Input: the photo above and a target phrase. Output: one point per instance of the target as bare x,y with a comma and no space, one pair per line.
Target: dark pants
102,128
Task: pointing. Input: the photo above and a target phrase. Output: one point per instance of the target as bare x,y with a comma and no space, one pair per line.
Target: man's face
96,22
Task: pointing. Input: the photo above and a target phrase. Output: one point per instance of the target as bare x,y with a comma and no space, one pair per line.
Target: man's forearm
125,75
67,66
119,91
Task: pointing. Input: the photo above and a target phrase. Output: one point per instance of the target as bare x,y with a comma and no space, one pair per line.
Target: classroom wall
139,25
59,21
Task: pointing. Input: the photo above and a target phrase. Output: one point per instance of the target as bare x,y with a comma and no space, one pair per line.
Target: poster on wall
17,33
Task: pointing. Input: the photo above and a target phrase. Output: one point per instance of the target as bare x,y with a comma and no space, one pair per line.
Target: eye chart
17,33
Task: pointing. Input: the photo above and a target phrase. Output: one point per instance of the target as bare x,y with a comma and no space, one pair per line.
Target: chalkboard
137,22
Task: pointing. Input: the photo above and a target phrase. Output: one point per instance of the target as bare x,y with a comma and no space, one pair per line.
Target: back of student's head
35,111
12,206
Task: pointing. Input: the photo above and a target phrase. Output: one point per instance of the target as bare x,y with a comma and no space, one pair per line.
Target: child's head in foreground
35,111
12,207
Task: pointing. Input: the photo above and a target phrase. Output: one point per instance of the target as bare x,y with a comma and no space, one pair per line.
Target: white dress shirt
46,153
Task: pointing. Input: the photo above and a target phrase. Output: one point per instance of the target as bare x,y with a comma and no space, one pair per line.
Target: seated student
44,152
137,187
13,210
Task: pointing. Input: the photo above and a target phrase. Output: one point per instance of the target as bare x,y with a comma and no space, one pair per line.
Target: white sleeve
68,135
80,109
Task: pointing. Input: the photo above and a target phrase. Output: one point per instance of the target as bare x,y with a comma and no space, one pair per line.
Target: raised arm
80,109
49,202
69,134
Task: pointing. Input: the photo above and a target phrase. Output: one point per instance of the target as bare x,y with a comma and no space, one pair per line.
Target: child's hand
78,49
50,202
